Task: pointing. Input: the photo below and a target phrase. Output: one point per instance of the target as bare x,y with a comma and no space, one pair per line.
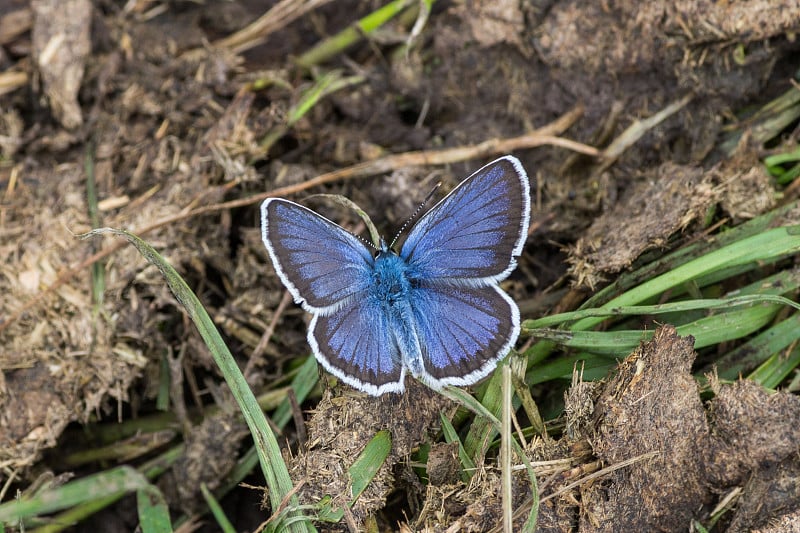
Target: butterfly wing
329,272
321,264
474,234
458,252
462,331
357,344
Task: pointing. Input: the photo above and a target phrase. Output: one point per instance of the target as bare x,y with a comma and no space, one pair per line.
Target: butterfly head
384,248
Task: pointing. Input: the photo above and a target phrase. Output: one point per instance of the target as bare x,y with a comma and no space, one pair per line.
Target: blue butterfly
434,309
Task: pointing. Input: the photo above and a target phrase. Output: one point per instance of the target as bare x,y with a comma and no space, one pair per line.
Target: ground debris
339,429
171,123
61,47
656,457
651,405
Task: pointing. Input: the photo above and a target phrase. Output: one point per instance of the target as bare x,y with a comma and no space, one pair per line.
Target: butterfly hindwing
462,332
357,345
320,263
473,235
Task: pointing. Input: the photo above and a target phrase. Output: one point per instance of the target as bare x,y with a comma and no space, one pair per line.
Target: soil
179,124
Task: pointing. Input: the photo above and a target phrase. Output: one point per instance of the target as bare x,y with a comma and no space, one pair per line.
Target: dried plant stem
280,15
637,130
505,451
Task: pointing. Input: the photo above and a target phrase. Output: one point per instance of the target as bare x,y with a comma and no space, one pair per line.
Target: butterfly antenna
415,213
368,242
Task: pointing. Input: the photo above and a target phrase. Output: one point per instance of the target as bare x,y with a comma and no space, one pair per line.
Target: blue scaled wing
475,233
321,264
462,331
329,272
357,345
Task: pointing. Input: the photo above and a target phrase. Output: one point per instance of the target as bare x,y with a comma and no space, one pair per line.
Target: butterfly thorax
391,281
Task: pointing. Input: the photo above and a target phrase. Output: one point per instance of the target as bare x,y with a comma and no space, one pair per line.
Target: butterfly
433,309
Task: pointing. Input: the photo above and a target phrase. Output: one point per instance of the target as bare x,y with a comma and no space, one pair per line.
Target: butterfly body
433,309
391,295
392,281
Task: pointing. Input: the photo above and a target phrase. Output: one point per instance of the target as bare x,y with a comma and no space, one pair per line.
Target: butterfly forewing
463,331
473,235
320,263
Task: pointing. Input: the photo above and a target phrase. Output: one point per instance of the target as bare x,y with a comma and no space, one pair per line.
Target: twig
600,473
256,357
279,16
638,128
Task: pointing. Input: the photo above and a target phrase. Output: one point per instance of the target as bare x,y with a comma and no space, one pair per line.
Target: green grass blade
759,349
341,41
275,471
362,471
450,436
153,510
115,482
689,253
785,157
672,307
771,244
322,87
483,429
776,368
766,123
216,511
594,367
706,331
303,383
151,470
728,326
370,461
328,83
98,267
607,343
